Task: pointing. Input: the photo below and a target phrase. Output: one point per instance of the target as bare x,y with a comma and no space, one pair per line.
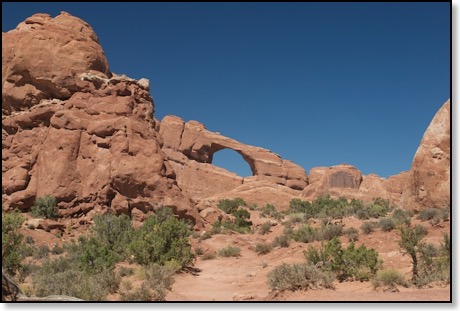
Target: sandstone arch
190,148
223,156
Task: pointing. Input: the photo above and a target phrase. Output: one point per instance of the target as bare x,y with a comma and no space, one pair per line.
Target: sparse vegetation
12,242
386,224
230,206
389,279
281,241
347,263
301,276
265,228
263,248
269,210
161,238
368,227
411,244
159,279
351,233
209,256
199,251
45,207
143,293
125,271
229,251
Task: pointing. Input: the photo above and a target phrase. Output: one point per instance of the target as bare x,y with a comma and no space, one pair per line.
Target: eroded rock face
347,181
43,57
190,148
83,135
428,183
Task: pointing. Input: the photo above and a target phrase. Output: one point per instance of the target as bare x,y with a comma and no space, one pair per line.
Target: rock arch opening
232,161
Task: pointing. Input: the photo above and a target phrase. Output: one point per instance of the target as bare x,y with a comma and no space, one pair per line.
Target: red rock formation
428,183
190,147
347,181
70,131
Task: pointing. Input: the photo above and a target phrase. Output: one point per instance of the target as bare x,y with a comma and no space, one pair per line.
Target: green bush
61,277
263,248
296,218
411,244
229,251
330,231
57,250
269,210
351,233
265,228
298,277
41,252
389,278
229,206
162,238
348,264
45,207
281,241
305,234
159,279
125,271
386,224
428,214
12,242
368,227
402,217
143,293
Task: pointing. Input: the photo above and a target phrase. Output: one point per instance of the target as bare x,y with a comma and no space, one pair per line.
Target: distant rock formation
73,130
428,184
347,181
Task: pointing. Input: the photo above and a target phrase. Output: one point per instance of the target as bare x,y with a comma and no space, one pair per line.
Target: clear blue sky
317,83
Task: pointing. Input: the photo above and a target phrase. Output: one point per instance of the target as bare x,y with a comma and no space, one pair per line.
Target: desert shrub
242,224
305,234
125,271
386,224
209,256
162,238
41,252
199,251
411,244
428,214
281,241
27,251
30,240
160,279
265,228
61,277
299,206
229,206
298,277
444,213
434,263
263,248
347,263
95,256
26,270
402,217
45,207
143,293
12,242
109,280
329,231
351,233
269,210
389,278
368,227
253,207
57,250
296,218
229,251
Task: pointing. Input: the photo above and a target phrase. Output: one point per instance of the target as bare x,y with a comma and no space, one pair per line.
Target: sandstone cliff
74,130
428,183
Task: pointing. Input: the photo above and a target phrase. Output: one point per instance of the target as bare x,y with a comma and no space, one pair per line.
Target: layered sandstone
428,183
